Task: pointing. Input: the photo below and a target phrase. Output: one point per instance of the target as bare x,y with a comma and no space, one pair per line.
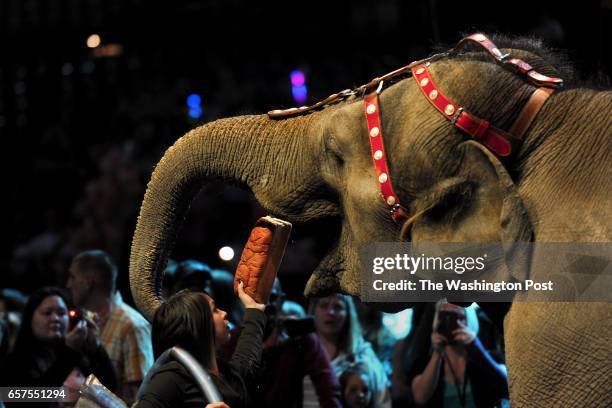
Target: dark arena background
92,92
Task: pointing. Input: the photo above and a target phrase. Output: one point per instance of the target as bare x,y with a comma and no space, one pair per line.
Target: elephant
316,163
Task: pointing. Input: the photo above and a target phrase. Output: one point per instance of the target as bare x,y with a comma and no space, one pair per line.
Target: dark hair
356,369
100,264
26,341
185,320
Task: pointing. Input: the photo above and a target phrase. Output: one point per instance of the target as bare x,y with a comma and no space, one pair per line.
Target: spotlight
93,41
226,253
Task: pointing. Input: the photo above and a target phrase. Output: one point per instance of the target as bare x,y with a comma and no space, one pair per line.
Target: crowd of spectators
258,355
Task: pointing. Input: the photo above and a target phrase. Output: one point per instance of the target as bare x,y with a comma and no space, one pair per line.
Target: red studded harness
498,141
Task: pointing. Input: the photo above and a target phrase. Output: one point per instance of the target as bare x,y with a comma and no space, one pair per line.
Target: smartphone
74,316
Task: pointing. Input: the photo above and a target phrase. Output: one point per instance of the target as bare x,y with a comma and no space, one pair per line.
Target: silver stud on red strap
449,110
433,94
377,150
424,81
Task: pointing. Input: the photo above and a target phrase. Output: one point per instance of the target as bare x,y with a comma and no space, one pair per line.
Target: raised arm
247,355
424,385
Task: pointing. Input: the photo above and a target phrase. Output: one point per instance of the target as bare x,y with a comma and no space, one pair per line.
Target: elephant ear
479,204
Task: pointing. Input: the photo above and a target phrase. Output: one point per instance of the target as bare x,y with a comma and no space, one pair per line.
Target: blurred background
92,92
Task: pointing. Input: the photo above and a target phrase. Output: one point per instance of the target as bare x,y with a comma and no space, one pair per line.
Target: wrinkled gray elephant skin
556,188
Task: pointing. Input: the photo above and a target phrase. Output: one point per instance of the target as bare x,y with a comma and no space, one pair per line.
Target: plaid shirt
126,337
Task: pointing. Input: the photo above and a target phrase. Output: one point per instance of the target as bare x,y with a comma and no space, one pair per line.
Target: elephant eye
339,160
331,148
451,200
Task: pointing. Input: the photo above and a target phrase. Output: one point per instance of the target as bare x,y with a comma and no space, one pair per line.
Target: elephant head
318,164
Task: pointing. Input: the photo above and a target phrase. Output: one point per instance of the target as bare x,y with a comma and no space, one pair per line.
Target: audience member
50,353
12,303
377,334
125,334
4,340
193,275
293,309
12,300
338,327
192,321
292,351
442,363
169,278
356,387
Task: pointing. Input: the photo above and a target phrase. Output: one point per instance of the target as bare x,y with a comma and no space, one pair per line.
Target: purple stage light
297,78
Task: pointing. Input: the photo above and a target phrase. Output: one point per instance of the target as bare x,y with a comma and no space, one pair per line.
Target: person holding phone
49,352
447,366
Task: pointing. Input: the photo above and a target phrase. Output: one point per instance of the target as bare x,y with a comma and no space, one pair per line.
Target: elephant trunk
271,158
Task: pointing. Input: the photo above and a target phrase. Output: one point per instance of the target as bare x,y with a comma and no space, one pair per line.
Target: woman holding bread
192,321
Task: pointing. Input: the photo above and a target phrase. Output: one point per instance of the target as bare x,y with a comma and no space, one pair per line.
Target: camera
447,323
447,319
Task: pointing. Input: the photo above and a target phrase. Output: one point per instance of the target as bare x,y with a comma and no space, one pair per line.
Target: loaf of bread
261,257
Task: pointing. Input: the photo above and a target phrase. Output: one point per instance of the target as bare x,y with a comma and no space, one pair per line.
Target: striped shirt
126,337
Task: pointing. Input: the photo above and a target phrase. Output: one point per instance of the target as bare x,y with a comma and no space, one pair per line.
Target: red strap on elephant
529,112
377,147
516,64
495,139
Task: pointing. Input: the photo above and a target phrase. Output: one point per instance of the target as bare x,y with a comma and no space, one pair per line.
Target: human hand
248,301
463,335
76,337
438,342
217,405
93,330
